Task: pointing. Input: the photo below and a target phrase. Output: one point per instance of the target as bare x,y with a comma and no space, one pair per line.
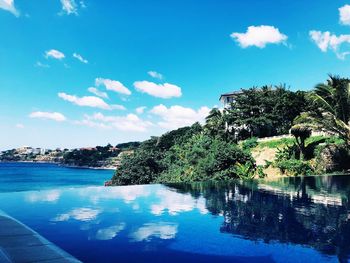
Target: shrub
203,158
245,171
249,144
294,167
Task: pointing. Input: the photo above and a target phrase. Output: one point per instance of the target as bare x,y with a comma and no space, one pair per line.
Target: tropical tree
265,111
331,111
215,123
301,133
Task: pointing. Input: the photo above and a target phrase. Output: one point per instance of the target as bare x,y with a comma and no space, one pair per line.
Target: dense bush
294,167
142,167
128,145
203,158
93,157
321,155
249,144
290,161
185,155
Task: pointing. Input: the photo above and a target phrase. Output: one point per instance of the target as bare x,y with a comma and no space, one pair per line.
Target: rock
333,158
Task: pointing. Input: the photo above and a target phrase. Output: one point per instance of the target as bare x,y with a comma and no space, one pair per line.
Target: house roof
233,93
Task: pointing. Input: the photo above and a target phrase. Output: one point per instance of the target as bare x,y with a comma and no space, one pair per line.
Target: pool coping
19,243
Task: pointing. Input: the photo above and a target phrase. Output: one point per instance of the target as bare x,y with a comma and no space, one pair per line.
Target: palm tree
301,133
215,123
331,111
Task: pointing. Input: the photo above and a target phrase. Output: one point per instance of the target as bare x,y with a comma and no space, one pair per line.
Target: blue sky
84,73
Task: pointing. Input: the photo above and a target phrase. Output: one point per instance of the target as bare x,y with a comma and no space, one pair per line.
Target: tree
265,111
215,124
301,133
331,111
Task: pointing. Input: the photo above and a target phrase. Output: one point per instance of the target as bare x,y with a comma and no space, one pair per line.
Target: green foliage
149,160
288,161
266,111
93,157
249,144
211,152
179,136
128,145
301,133
276,143
294,167
245,171
183,155
260,170
215,124
331,108
142,167
203,158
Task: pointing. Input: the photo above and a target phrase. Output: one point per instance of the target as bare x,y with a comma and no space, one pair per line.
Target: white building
227,98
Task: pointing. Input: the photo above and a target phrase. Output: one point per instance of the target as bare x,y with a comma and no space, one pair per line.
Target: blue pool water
291,220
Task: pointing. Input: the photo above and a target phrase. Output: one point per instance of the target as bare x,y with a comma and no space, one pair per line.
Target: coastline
63,165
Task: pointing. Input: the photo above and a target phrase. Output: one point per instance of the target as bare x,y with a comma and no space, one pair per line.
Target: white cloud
80,214
140,110
155,74
327,41
259,36
344,15
89,101
178,116
69,7
113,85
98,92
109,232
56,116
19,126
161,230
41,65
9,5
130,122
164,91
80,58
174,203
53,53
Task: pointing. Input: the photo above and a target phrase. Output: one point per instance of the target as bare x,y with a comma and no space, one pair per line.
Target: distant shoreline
63,165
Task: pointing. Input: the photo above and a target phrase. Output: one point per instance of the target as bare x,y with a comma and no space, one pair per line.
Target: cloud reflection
80,214
44,196
174,203
127,193
109,232
161,230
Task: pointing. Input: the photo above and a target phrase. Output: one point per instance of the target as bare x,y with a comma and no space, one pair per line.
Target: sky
84,73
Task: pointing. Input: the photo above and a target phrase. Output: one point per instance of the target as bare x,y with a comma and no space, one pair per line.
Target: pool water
291,220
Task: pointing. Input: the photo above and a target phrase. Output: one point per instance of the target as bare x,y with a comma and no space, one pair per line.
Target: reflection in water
312,211
109,232
175,203
162,230
127,193
284,221
80,214
45,196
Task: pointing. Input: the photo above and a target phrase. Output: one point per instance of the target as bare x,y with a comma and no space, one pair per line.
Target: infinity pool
294,220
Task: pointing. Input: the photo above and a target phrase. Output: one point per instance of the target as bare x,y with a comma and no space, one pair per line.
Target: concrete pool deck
19,243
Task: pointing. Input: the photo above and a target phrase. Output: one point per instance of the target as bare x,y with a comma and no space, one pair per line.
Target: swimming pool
294,220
